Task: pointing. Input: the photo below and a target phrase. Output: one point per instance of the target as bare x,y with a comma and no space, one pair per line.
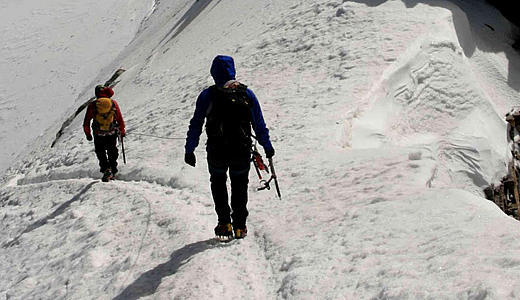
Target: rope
141,244
156,136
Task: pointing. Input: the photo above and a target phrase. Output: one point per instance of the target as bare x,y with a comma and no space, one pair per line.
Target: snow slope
387,120
51,51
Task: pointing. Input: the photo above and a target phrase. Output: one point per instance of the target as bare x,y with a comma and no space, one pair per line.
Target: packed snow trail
121,239
50,217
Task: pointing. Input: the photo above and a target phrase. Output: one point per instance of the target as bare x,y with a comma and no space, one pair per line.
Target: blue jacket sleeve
261,131
197,121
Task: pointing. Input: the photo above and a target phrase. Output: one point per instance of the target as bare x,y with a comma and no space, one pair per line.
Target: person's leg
100,149
112,152
239,176
218,177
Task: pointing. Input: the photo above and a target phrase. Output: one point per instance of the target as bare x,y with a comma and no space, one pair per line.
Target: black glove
189,158
269,153
89,137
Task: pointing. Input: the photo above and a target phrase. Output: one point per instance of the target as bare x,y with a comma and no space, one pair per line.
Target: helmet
98,88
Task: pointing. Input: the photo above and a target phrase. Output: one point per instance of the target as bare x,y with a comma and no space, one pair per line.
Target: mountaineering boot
224,232
113,173
107,175
240,233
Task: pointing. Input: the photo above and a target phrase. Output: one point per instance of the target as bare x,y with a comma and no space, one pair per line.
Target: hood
104,93
223,69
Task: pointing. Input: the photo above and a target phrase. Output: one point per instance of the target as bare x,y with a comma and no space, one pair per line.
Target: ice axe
122,147
260,166
273,177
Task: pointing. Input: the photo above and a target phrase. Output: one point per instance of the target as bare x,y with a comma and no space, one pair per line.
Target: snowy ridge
50,50
422,99
386,119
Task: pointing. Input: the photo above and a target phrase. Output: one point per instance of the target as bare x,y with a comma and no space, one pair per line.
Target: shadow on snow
475,21
53,215
186,19
149,281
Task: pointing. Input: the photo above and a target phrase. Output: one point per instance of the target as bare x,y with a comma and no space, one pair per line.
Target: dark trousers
238,164
106,151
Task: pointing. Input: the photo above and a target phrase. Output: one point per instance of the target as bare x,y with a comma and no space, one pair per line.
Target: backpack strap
212,92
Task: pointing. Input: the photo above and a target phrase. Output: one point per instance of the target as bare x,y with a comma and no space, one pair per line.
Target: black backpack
229,117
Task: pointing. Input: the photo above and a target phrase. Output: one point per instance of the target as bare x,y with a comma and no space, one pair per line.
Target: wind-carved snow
430,97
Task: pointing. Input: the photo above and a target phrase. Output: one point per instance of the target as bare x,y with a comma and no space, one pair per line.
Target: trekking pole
122,147
273,176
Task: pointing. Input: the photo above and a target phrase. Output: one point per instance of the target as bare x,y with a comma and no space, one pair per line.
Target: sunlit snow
387,118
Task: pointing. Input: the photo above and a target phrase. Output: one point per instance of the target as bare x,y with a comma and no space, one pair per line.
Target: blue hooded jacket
222,71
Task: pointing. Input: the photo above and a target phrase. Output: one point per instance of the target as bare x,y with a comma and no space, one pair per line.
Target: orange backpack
104,115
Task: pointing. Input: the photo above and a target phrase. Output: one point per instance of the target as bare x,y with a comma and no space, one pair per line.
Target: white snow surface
387,118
